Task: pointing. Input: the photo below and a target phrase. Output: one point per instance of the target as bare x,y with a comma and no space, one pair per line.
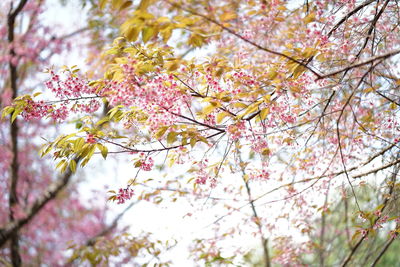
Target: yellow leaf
208,109
166,34
309,18
196,40
132,33
264,113
228,16
62,165
295,89
138,163
144,4
239,105
78,144
161,131
369,90
193,142
171,137
102,4
265,152
148,33
163,20
116,4
250,109
172,66
184,141
202,139
298,70
221,116
267,98
309,52
125,5
7,110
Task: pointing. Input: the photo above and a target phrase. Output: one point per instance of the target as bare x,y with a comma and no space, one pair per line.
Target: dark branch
51,192
14,167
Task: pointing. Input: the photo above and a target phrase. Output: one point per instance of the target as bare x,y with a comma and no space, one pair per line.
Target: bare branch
111,227
351,13
362,63
231,31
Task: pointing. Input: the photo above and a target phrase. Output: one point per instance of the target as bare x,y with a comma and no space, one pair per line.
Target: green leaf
102,121
6,111
17,111
72,165
60,164
78,144
103,150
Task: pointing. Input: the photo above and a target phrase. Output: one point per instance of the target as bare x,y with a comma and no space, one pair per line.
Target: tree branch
384,205
231,31
351,13
257,219
362,63
14,167
52,191
111,227
384,249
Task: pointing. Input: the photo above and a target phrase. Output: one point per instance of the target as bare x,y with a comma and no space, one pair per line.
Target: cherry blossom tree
290,116
42,211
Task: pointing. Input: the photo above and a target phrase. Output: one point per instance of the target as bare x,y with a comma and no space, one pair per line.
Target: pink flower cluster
74,94
147,164
91,139
67,85
236,130
381,221
260,175
35,109
203,176
124,195
259,143
158,96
